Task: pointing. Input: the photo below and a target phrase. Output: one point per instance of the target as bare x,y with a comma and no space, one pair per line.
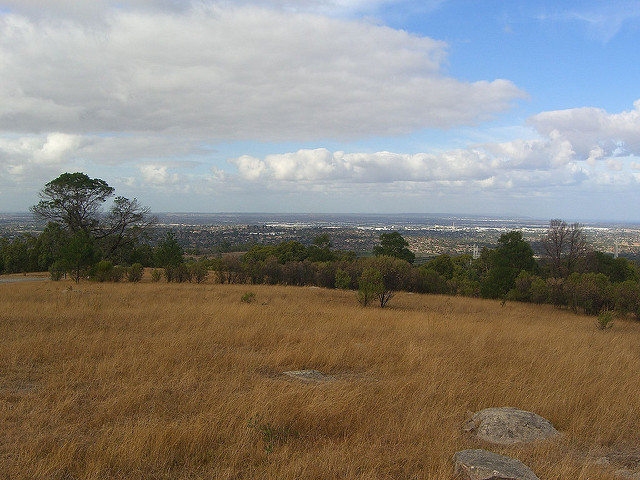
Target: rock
506,426
627,474
309,375
483,465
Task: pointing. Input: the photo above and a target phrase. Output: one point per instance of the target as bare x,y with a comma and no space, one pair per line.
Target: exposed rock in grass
627,475
484,465
506,426
309,375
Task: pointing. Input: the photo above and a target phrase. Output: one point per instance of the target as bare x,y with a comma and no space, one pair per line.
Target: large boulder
483,465
506,426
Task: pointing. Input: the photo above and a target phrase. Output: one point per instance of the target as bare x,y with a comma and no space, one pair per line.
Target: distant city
428,234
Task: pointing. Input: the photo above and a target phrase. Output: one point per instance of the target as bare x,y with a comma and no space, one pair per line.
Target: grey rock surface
627,474
484,465
507,425
309,375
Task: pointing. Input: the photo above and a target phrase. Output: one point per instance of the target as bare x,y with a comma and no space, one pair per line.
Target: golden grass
164,381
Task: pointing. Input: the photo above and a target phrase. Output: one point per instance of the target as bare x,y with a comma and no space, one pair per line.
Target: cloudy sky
499,107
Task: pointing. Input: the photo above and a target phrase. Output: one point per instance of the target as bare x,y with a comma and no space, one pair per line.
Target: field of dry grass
184,381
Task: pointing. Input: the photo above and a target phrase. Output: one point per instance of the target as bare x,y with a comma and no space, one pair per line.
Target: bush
135,272
102,271
343,279
156,275
56,271
605,319
248,297
117,273
198,272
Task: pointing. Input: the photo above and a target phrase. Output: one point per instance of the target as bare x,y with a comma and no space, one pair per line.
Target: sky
527,108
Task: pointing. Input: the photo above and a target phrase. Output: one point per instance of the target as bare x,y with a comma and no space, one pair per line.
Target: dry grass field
184,381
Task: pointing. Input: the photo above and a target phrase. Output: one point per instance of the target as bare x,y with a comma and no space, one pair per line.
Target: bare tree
565,246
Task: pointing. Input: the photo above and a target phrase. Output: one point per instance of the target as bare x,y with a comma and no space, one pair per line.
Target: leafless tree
565,246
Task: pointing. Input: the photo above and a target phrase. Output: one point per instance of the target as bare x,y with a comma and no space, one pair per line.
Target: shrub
56,271
135,272
117,273
248,297
198,272
102,271
605,319
156,275
343,279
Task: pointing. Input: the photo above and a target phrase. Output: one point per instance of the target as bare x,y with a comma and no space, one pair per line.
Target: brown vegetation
163,381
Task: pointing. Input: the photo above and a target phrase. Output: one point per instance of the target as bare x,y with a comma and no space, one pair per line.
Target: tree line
83,239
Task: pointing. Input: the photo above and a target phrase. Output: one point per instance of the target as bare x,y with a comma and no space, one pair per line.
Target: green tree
394,245
443,264
78,255
75,202
320,250
512,256
370,284
169,252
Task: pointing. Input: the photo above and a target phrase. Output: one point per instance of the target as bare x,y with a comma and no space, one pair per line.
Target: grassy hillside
185,381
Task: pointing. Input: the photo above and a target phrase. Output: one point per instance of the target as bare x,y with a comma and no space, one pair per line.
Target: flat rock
627,474
309,375
484,465
507,425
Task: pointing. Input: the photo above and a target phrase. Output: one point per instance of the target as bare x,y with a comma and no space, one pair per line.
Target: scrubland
184,381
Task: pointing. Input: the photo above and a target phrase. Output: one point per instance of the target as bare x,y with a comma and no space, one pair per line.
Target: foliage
78,255
271,435
565,247
512,256
169,252
135,272
371,287
248,297
73,200
342,279
102,271
199,271
605,319
156,275
394,245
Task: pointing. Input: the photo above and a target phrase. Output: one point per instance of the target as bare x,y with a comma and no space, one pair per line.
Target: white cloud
231,73
575,148
593,132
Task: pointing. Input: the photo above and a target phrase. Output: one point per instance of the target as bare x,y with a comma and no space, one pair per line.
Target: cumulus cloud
232,73
593,132
574,147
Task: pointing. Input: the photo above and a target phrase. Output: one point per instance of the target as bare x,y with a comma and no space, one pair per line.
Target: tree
394,245
78,255
169,252
512,256
564,246
123,225
75,202
320,251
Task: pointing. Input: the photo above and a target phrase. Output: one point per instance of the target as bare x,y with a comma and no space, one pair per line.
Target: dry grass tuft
167,381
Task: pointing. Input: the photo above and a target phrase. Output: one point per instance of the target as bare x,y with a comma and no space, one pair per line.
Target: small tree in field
371,287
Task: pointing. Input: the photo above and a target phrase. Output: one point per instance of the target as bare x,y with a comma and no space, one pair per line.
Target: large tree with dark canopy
394,245
75,202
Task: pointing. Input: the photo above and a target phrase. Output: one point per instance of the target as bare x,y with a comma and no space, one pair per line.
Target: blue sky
528,108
